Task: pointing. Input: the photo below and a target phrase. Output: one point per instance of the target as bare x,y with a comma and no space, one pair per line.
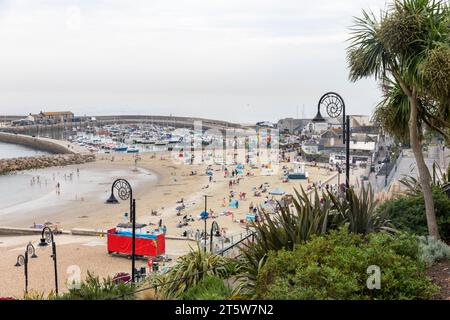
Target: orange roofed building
55,117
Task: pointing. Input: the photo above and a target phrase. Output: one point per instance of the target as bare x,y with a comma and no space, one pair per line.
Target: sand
169,183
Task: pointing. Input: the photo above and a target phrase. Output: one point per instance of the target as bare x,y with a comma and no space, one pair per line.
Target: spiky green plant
358,212
191,268
283,230
413,185
293,226
94,288
209,288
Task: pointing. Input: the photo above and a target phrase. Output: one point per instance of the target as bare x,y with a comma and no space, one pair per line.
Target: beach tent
277,192
233,203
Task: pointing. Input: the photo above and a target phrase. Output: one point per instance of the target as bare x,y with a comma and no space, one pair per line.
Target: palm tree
409,48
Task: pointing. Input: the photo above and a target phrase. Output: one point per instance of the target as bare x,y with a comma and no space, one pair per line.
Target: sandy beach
158,184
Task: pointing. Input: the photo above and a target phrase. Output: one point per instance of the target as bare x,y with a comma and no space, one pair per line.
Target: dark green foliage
408,213
407,47
209,288
190,269
289,227
94,288
334,266
358,212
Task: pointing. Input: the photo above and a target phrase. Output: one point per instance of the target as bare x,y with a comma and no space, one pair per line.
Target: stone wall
35,143
27,163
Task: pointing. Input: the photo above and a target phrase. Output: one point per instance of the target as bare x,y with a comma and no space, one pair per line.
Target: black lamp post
204,215
214,227
335,106
339,175
22,260
125,192
46,238
386,170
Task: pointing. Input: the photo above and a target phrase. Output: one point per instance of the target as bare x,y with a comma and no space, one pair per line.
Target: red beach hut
147,244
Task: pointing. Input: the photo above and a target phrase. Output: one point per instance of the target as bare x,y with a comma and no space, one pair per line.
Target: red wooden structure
148,245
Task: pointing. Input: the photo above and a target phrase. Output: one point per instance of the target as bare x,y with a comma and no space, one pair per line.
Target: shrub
209,288
94,288
432,250
334,266
408,213
190,269
289,227
358,212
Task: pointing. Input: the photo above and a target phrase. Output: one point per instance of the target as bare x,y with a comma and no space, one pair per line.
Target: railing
393,170
250,236
223,243
227,251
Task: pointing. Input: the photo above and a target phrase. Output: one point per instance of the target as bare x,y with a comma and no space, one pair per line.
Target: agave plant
285,229
191,268
209,288
439,179
358,212
94,288
292,226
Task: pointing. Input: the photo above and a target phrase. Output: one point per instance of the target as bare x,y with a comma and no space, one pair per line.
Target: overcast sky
237,60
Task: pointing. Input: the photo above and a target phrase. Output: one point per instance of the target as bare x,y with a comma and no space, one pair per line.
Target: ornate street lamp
335,106
125,192
46,238
214,228
22,260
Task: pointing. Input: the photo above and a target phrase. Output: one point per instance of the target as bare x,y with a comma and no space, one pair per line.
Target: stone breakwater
49,145
27,163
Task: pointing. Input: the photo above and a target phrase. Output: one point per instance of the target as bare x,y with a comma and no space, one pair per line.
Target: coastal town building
42,117
54,116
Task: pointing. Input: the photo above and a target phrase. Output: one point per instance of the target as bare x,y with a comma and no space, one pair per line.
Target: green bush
190,269
334,266
94,288
308,217
209,288
408,213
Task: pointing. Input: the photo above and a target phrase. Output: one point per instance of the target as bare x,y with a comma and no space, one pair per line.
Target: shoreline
168,182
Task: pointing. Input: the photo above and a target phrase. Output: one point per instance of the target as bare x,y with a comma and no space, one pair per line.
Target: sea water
9,150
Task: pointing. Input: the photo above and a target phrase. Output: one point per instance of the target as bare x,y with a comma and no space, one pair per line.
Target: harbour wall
64,153
42,144
177,122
